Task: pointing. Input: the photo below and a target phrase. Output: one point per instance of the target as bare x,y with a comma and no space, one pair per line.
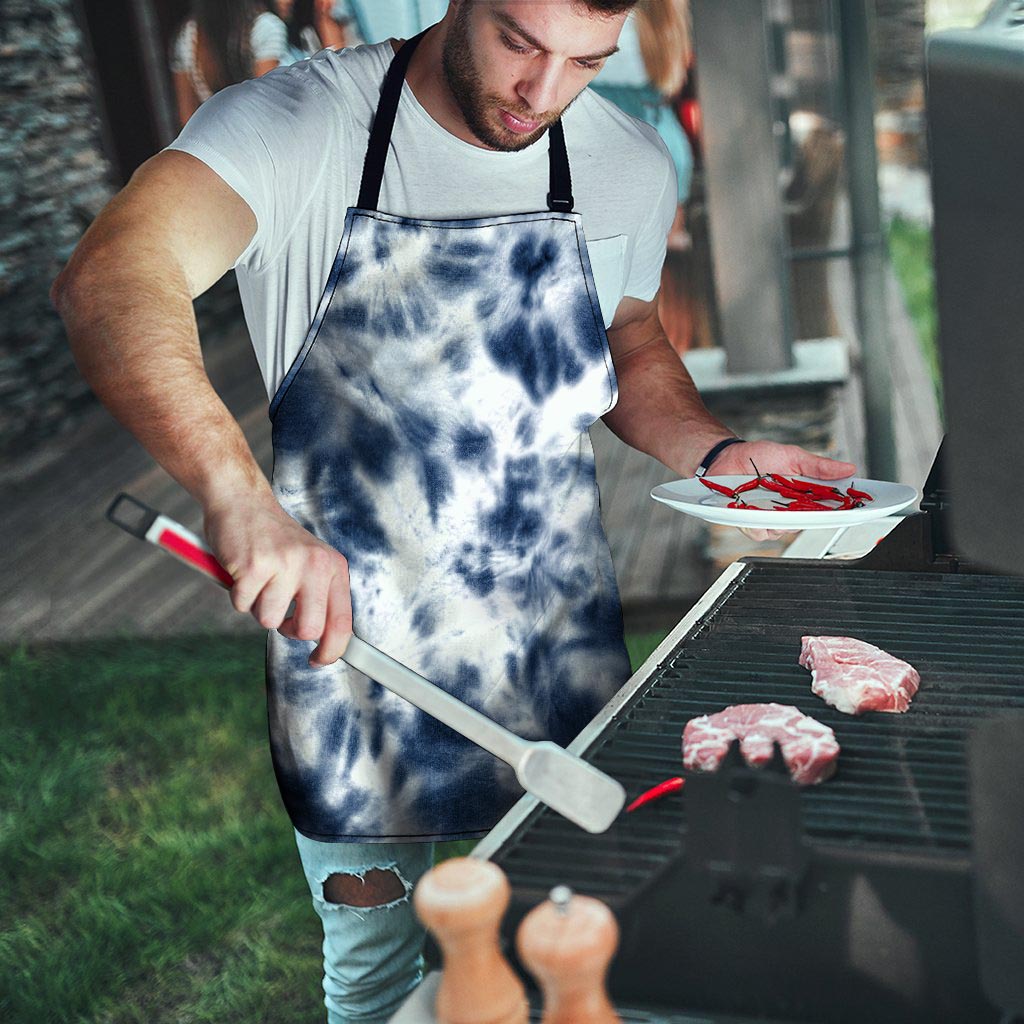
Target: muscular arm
659,410
126,300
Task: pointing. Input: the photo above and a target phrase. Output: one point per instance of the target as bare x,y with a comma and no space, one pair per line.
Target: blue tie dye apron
433,429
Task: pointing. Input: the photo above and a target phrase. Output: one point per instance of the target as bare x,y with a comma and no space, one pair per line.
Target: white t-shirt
292,144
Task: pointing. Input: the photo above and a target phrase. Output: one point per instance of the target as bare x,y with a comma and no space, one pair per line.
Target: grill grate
902,779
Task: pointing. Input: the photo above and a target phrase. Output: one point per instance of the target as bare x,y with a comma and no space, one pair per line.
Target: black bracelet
705,463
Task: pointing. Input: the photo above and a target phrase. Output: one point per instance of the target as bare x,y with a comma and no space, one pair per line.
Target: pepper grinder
462,901
567,943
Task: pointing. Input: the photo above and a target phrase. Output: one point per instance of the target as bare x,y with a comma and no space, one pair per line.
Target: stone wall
54,178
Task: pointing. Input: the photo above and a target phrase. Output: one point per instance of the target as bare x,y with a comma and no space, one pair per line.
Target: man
433,375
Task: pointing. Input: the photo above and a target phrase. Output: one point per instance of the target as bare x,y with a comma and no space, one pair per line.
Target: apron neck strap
559,197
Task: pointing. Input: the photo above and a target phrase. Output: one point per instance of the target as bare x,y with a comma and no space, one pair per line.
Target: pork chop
854,677
809,748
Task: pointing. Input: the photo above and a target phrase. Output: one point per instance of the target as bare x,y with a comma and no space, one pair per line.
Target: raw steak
855,677
809,748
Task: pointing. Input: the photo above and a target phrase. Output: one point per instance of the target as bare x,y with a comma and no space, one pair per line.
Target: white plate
693,498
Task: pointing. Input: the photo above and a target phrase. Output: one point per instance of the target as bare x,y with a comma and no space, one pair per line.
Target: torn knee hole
372,889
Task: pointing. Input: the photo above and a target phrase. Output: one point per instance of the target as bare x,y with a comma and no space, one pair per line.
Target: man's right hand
273,562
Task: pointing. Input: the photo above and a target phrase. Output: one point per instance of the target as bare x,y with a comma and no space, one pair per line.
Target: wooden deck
74,575
71,574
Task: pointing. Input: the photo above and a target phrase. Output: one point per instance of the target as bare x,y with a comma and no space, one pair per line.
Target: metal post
868,239
154,65
748,237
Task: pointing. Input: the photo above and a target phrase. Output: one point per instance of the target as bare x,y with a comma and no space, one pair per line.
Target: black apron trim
383,123
559,198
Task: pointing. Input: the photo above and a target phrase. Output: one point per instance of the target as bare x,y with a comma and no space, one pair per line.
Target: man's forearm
660,411
134,337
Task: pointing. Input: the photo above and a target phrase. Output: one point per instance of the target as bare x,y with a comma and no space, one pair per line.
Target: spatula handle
147,524
466,721
141,521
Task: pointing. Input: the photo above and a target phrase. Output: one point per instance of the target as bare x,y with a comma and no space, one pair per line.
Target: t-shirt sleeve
269,139
269,38
652,238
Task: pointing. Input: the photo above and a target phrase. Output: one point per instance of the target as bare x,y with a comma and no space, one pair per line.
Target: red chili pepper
656,793
720,488
750,485
863,495
806,505
793,485
788,492
808,487
772,485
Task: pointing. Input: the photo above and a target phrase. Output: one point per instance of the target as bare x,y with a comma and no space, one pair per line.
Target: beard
478,107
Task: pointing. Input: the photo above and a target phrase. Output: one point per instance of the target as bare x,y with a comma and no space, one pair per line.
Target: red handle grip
196,554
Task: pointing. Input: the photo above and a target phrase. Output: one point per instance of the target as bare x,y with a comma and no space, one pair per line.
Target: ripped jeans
372,953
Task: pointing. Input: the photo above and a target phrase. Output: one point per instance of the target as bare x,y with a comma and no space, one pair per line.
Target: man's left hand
771,457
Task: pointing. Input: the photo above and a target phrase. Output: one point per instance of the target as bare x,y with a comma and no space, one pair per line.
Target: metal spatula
567,784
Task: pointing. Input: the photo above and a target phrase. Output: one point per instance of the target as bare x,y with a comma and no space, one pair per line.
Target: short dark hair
608,6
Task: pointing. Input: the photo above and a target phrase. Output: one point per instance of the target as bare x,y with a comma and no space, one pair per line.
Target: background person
373,21
314,24
647,75
221,43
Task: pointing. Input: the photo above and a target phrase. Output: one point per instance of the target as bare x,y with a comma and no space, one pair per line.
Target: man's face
513,66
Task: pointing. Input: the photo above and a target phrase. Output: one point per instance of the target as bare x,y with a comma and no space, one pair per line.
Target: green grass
151,872
147,867
910,246
641,646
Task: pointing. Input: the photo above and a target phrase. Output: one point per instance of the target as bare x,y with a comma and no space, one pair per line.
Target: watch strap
705,463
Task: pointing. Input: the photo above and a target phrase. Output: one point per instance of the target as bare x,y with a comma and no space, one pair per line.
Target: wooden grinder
567,943
462,902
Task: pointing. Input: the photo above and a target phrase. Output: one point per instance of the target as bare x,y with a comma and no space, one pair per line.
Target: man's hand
770,457
660,412
273,562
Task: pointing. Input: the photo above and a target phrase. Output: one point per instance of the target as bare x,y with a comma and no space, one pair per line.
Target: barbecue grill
746,897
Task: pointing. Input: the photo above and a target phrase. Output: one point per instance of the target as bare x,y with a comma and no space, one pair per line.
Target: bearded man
449,253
